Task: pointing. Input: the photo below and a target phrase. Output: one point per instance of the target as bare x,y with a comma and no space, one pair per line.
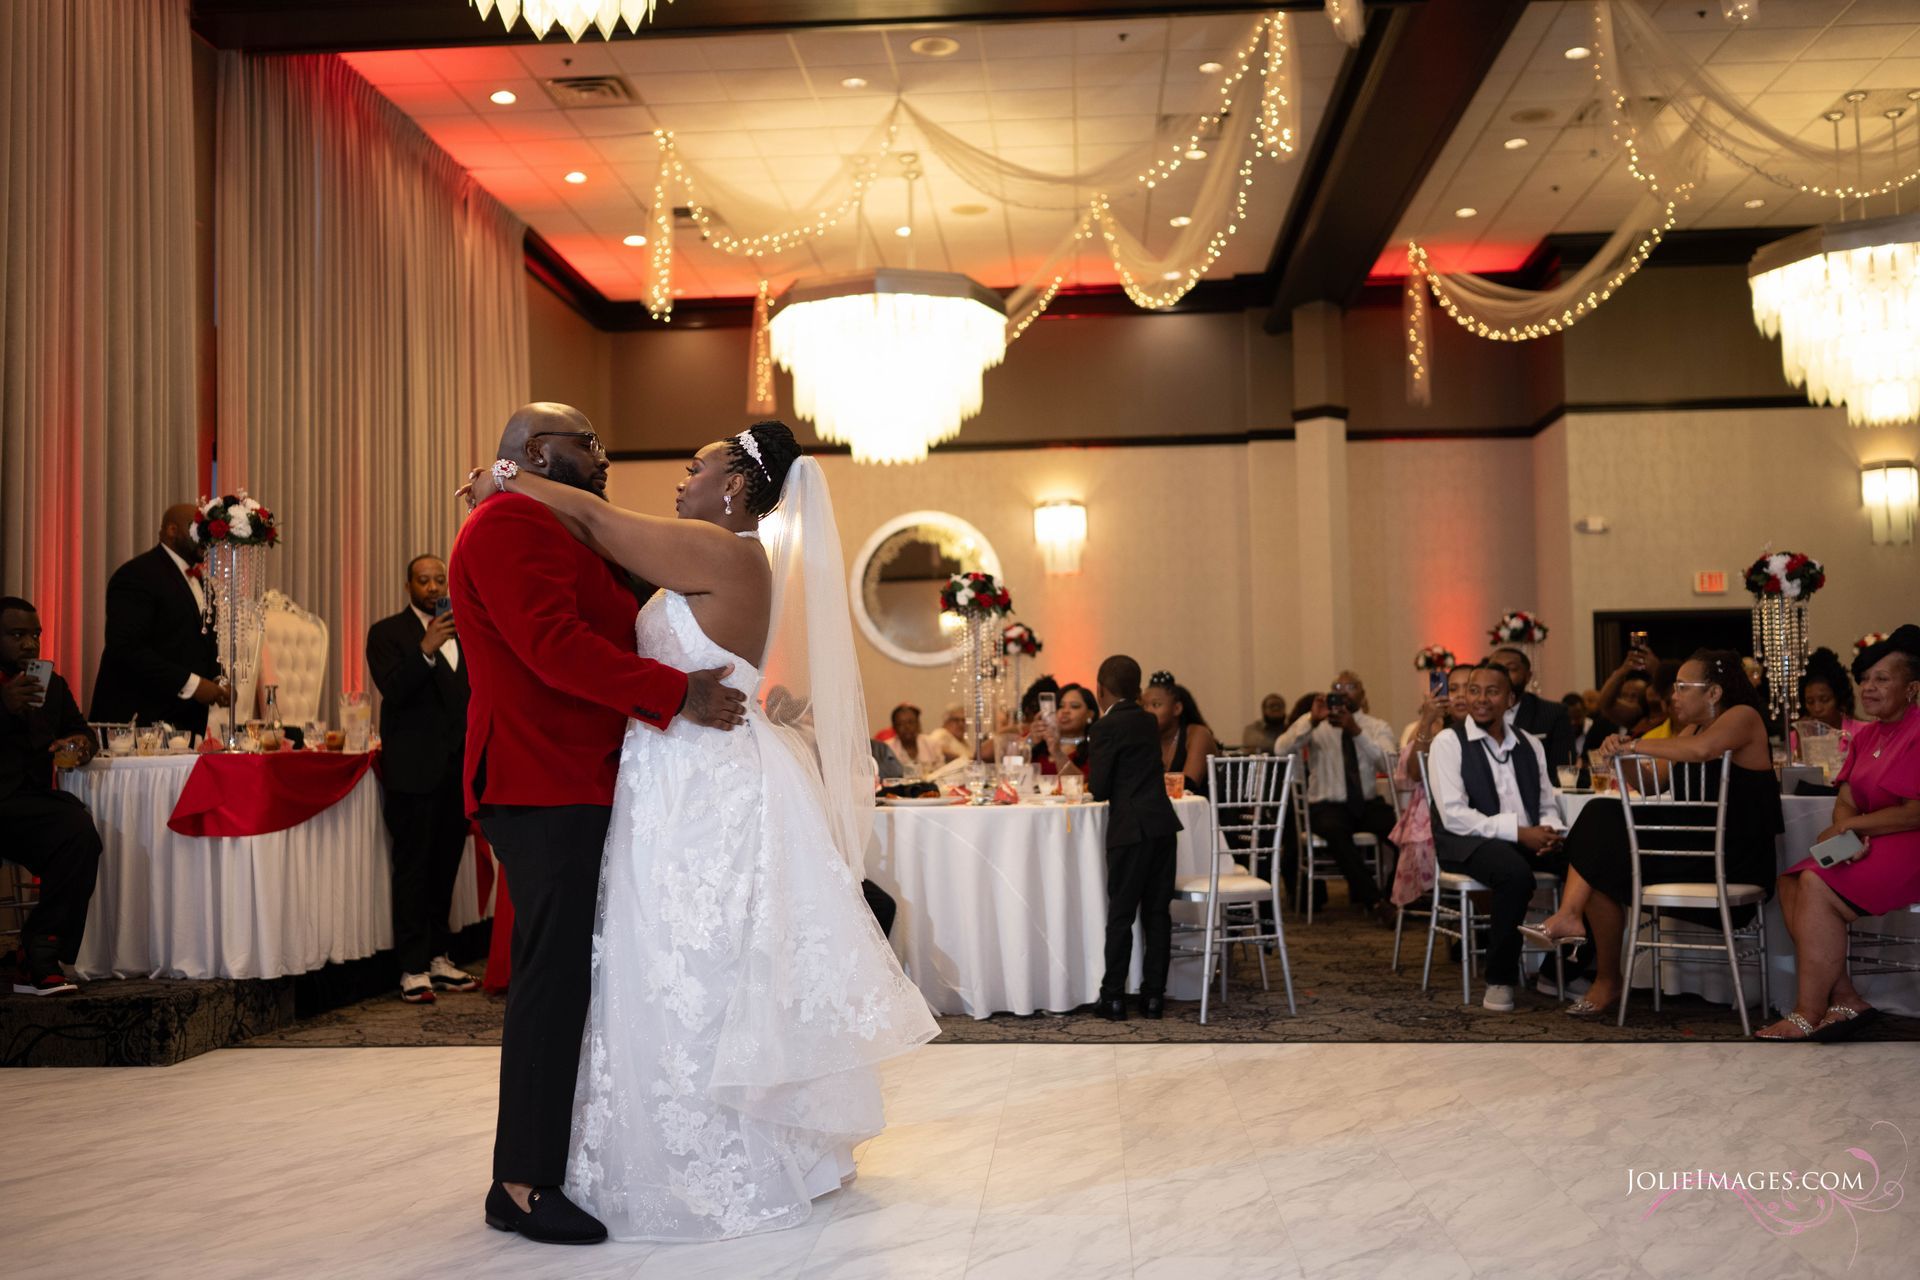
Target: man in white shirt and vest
1495,818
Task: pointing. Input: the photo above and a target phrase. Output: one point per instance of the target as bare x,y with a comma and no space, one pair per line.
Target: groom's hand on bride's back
711,703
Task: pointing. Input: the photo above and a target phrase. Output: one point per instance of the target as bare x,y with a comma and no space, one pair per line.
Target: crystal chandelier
889,361
1845,301
574,16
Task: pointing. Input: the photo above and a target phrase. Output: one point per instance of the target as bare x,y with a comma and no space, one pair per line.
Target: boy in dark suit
414,658
1124,769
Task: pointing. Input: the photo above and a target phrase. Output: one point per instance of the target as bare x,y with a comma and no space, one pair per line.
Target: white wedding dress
742,990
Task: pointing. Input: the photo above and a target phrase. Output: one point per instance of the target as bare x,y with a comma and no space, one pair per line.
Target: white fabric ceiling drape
97,425
372,333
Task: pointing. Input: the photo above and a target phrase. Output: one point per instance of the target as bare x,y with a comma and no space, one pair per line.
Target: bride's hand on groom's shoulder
471,492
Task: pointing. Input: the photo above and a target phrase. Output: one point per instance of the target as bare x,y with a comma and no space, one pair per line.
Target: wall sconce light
1061,530
1890,491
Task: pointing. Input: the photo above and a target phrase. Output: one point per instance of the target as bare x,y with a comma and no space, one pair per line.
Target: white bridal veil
811,674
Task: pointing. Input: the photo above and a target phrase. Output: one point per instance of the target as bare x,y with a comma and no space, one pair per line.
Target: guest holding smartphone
1879,803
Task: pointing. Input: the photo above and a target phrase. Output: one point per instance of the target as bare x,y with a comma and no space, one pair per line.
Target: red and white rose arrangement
975,595
1518,627
1018,640
235,518
1434,657
1787,574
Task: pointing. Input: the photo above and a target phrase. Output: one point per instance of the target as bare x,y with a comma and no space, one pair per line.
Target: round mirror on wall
897,578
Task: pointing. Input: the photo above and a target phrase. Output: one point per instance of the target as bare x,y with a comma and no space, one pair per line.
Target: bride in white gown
742,990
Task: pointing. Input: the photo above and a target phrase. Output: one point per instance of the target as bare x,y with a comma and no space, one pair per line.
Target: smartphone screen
1048,706
1636,639
1437,683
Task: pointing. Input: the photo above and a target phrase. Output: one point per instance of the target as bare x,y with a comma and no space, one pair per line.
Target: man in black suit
1533,714
162,661
46,830
1125,770
414,658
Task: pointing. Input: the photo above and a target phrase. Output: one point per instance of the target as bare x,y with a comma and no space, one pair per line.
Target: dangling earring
727,503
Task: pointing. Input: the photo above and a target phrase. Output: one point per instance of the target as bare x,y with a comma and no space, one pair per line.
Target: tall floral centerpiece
1017,643
236,532
1434,657
978,601
1781,583
1519,629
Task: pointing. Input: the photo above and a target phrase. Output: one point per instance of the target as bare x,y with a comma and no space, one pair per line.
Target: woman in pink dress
1880,802
1413,834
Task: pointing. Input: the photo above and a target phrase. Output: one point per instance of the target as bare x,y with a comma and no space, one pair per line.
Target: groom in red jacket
546,631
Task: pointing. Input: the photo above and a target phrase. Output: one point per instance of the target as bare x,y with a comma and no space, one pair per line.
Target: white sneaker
447,976
416,988
1498,998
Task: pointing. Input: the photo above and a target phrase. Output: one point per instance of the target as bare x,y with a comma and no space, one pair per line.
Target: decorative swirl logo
1785,1216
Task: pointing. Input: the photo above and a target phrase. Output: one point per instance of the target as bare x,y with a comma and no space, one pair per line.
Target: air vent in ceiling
572,92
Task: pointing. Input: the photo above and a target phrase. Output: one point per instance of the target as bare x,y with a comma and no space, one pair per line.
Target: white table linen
1805,817
1003,908
174,906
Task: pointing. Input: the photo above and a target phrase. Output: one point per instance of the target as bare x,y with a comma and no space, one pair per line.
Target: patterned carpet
1341,984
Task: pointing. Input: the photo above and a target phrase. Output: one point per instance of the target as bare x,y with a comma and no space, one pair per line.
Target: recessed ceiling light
634,242
903,231
1182,221
854,82
935,46
1752,204
970,210
1169,275
504,97
576,177
1208,68
1465,211
1578,52
1196,153
1514,144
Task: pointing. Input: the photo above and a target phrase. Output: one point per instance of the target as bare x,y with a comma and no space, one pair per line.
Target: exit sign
1710,582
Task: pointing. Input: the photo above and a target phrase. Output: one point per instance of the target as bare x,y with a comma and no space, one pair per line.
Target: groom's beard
564,471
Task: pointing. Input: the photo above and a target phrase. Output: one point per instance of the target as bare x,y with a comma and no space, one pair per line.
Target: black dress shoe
1113,1010
1153,1006
552,1219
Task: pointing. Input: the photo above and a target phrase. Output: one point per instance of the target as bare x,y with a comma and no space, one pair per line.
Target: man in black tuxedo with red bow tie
162,661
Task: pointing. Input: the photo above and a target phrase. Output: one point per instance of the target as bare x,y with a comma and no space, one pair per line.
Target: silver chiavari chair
1459,923
1316,862
1669,808
18,896
1250,798
1867,949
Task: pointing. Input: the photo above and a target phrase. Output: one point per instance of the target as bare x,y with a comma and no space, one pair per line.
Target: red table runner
253,795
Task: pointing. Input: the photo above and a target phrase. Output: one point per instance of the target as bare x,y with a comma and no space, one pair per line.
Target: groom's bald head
556,441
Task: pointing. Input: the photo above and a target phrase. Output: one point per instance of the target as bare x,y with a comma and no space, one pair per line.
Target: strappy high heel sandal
1808,1032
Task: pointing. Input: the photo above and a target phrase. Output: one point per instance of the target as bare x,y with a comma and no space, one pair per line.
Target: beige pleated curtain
97,427
373,334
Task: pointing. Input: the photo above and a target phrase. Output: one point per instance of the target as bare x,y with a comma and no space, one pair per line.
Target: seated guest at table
918,754
161,660
1259,736
1532,713
1579,720
1185,739
1413,834
887,762
1826,694
1879,802
1124,769
1346,751
47,831
1495,817
1065,736
1622,701
1718,710
1658,722
414,658
951,736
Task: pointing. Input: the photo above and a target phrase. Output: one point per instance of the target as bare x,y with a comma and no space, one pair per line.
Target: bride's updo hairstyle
764,478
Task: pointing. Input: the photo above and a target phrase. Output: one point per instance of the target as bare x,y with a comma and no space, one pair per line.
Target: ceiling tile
1765,44
751,53
1030,73
1117,100
832,47
1833,77
658,54
768,85
554,61
528,126
1119,69
603,122
1031,104
403,66
949,108
422,100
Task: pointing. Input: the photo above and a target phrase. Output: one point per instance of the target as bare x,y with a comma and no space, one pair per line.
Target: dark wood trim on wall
337,26
1321,411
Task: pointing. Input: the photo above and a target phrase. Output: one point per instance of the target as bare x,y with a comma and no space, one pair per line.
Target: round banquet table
1805,818
1002,908
175,906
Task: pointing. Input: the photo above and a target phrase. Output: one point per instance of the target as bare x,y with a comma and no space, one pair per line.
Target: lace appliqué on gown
742,991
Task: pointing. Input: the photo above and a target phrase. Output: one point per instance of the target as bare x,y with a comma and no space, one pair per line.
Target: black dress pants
1139,882
1508,870
429,833
51,834
1334,823
552,860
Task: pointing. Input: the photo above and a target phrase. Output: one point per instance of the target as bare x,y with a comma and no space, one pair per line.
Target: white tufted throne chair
295,658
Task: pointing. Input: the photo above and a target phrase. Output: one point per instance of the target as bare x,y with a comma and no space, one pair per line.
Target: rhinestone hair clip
746,441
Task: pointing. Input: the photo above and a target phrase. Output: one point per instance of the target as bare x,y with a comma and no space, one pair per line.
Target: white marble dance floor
1177,1162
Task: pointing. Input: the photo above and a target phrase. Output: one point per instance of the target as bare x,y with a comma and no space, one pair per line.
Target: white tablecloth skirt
1805,818
173,906
1003,908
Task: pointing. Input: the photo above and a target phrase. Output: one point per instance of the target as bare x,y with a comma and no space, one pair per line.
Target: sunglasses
593,441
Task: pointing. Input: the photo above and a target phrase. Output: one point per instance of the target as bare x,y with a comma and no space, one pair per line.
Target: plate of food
910,802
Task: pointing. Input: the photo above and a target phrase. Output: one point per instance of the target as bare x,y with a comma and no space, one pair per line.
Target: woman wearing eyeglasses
1879,802
1717,710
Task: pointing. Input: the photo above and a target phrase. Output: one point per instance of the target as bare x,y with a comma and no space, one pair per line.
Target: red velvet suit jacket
546,637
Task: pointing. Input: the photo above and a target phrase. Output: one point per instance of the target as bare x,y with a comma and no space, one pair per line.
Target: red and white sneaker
448,976
416,988
51,983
